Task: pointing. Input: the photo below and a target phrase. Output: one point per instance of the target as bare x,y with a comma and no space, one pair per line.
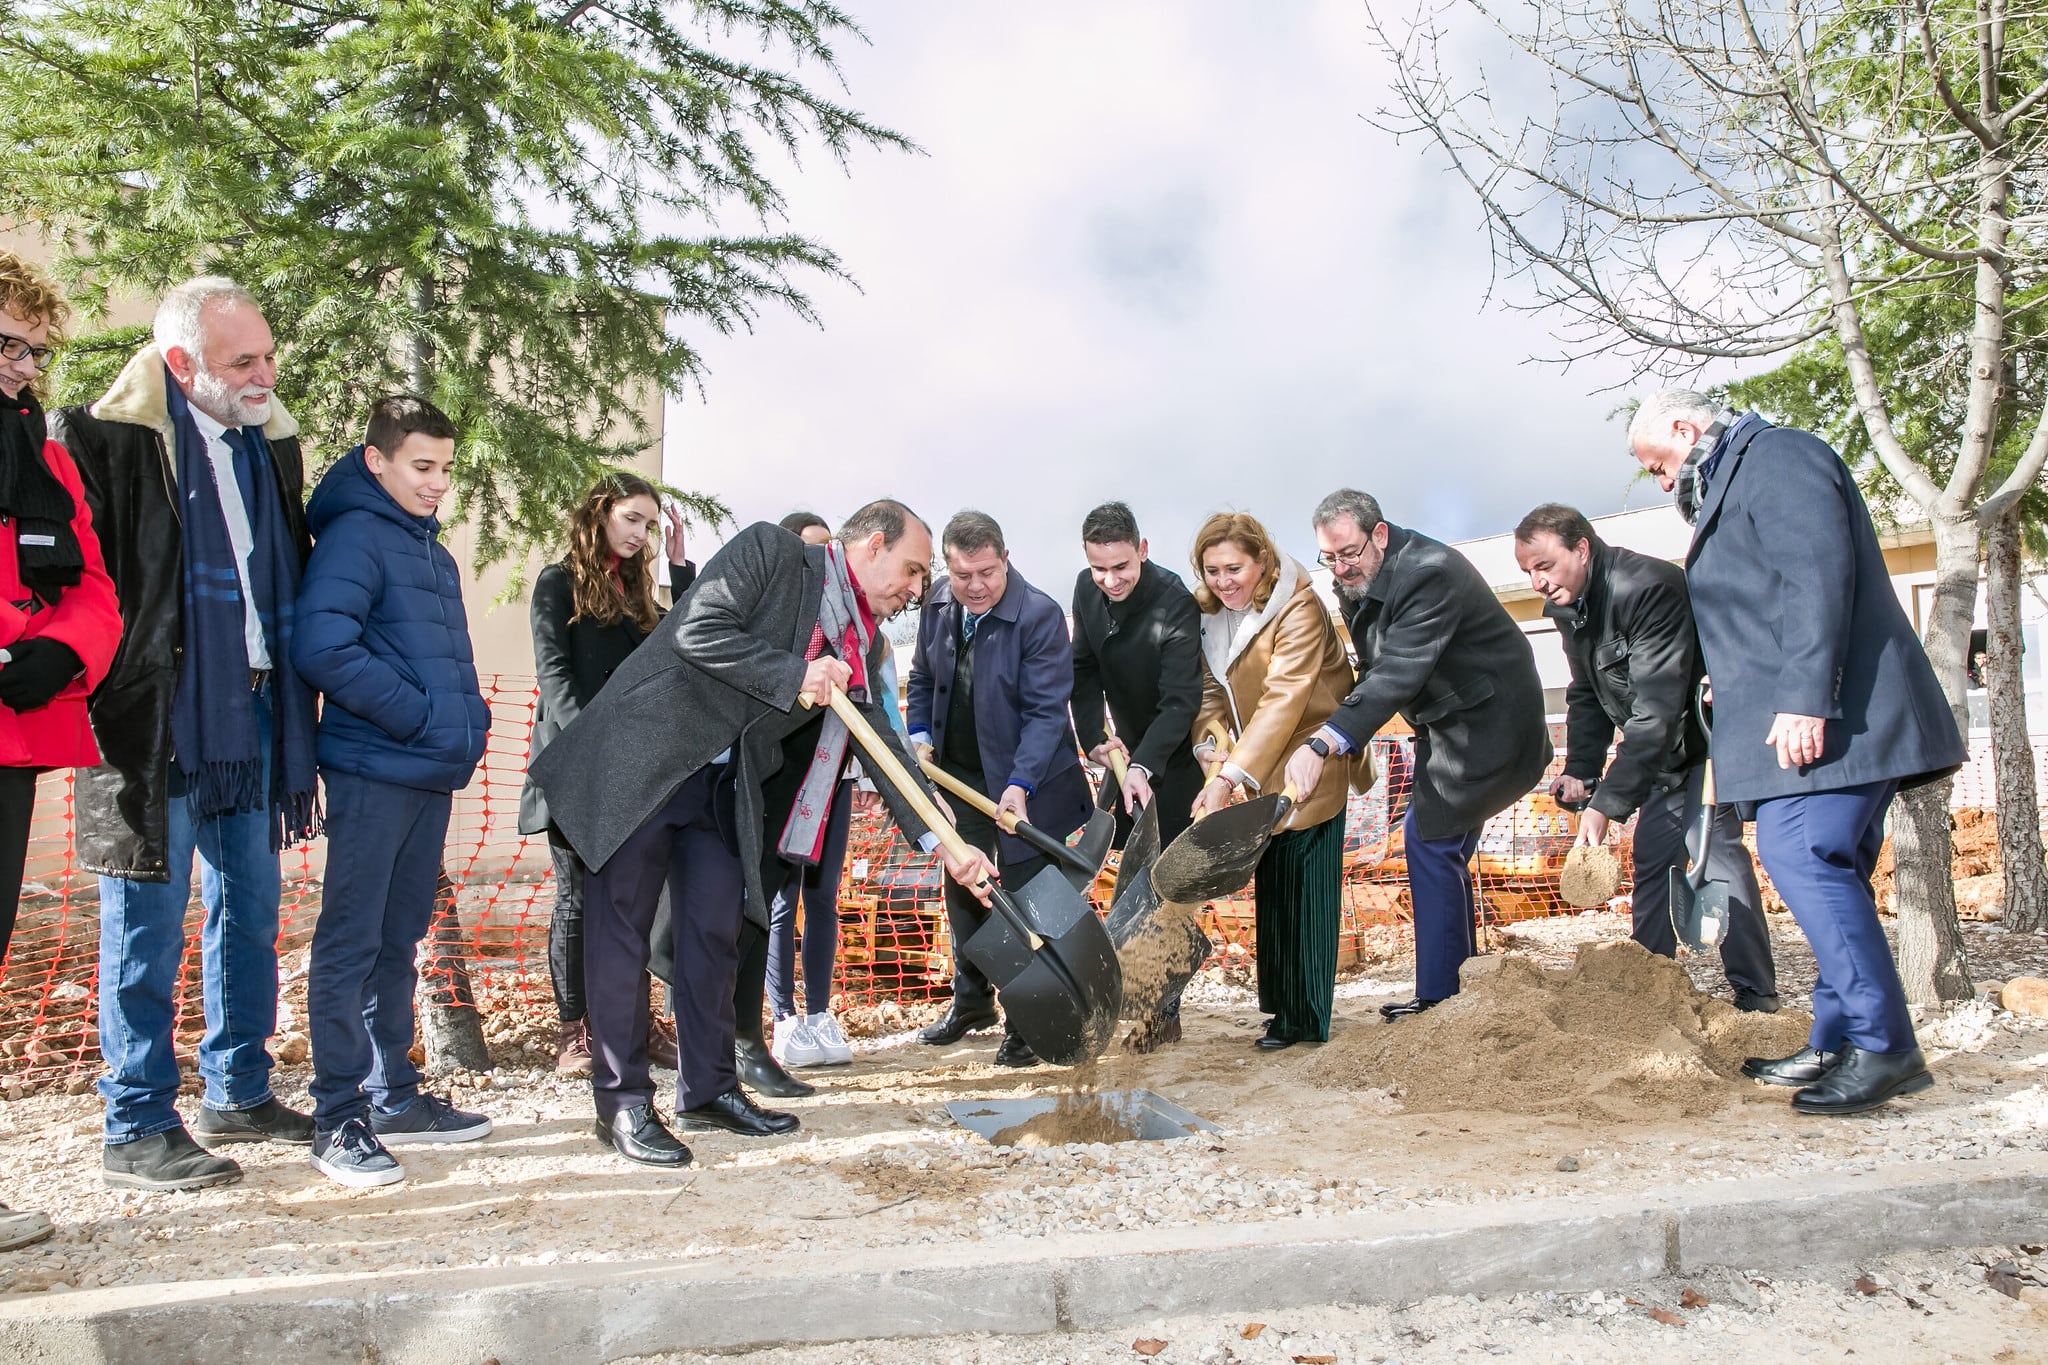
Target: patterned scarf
213,720
845,628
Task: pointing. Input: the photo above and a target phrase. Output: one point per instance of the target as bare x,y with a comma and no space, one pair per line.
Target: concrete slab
1034,1285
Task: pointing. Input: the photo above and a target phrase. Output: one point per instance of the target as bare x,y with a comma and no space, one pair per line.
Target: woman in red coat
58,619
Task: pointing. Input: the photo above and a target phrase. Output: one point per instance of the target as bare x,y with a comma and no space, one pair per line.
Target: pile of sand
1077,1118
1621,1033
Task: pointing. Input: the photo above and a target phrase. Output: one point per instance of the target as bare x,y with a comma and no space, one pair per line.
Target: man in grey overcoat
1824,708
659,780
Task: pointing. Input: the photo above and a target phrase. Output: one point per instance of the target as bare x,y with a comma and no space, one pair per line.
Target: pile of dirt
1621,1034
1173,946
1078,1117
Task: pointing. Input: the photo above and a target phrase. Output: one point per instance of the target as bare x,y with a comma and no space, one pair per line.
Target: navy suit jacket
1796,614
1023,680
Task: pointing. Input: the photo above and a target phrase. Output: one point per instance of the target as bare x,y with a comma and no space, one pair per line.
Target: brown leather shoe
1152,1035
661,1042
572,1054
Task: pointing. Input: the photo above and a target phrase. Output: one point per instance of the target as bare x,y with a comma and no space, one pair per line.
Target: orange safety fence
893,937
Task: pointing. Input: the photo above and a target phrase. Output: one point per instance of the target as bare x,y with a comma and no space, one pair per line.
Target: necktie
968,623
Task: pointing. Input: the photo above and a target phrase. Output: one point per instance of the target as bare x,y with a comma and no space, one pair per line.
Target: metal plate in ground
1154,1118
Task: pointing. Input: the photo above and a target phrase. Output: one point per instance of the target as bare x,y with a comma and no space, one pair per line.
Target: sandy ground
878,1163
1917,1310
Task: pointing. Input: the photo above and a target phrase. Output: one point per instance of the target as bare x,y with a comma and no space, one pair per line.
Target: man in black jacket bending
1138,648
1627,628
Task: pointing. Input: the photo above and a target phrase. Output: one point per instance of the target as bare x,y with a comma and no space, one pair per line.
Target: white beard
214,397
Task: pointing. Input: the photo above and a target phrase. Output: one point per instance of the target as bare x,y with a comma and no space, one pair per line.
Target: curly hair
593,591
33,296
1242,530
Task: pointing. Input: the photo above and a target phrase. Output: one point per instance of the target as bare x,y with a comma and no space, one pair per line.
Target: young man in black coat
1435,646
660,780
1138,650
1824,708
1626,626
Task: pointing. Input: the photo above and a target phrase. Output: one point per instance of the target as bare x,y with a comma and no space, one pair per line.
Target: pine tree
515,209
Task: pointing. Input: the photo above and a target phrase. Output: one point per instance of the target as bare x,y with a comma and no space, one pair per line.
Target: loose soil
1080,1117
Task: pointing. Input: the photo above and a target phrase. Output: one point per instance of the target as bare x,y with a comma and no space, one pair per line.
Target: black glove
39,671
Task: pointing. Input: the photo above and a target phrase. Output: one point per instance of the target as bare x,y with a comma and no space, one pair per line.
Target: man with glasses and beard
1436,647
206,732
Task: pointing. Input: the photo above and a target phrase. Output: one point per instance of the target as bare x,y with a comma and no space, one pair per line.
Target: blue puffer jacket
382,633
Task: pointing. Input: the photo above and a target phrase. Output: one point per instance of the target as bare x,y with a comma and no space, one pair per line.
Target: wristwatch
1318,747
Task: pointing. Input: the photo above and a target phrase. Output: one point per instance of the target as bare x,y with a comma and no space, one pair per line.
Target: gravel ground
1919,1309
879,1164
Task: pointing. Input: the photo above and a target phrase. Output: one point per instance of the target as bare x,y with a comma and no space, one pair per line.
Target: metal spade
1215,856
1141,846
1699,908
1043,946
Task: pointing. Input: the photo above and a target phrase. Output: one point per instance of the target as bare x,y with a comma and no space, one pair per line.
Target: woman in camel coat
1273,669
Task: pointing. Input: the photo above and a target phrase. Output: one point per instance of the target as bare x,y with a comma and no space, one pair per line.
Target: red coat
86,618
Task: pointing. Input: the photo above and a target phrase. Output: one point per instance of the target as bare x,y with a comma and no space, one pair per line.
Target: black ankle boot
761,1073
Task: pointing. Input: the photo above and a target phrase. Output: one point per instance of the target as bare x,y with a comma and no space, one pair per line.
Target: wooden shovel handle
878,752
1707,783
968,794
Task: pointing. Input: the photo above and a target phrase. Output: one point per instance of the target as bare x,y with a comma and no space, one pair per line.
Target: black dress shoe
1407,1009
735,1113
1270,1041
1803,1067
639,1135
169,1160
1015,1052
760,1071
1863,1080
957,1024
1749,1002
266,1122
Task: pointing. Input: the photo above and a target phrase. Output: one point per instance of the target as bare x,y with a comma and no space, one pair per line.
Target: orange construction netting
893,937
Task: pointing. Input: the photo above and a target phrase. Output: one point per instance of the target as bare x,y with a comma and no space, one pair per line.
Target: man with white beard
196,485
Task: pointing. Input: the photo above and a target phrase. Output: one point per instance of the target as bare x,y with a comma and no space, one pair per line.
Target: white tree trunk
2019,818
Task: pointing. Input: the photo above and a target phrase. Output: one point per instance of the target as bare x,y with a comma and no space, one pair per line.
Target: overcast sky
1155,252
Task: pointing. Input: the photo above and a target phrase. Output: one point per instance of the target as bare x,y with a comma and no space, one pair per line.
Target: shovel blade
1699,913
1092,849
1065,997
1216,856
1159,949
1141,850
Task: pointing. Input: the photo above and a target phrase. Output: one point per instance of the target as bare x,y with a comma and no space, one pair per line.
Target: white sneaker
825,1029
795,1045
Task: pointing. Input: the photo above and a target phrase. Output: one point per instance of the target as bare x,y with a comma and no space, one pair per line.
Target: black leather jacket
123,458
1635,665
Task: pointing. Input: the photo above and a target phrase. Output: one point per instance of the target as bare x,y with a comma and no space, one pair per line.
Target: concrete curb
1036,1285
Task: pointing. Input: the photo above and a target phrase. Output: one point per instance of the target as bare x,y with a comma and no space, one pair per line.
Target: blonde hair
30,294
1244,531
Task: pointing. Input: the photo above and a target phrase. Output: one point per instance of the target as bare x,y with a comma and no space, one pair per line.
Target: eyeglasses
14,348
1348,558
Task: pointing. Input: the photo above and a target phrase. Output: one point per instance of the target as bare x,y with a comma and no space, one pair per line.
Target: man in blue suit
1825,707
988,694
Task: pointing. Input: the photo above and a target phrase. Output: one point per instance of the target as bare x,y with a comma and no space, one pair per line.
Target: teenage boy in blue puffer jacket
383,635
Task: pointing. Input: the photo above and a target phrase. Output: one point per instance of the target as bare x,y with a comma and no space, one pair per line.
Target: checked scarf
214,737
845,628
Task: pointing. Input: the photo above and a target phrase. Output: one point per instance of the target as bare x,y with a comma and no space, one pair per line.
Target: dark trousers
1446,906
816,889
965,914
17,813
688,846
384,845
1664,828
1298,890
1820,849
565,931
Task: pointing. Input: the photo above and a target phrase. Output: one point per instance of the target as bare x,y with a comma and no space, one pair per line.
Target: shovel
1699,908
1142,846
1217,854
1080,860
1042,945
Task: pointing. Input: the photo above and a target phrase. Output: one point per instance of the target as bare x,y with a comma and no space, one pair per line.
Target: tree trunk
453,1030
2012,752
1930,941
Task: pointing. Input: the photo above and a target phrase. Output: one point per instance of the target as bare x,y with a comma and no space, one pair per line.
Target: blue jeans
142,942
384,845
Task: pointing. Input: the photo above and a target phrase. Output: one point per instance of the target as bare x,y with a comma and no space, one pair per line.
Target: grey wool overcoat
722,671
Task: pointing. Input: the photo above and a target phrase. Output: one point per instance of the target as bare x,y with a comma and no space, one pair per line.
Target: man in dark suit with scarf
988,696
660,780
1824,708
193,474
1138,651
1435,646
